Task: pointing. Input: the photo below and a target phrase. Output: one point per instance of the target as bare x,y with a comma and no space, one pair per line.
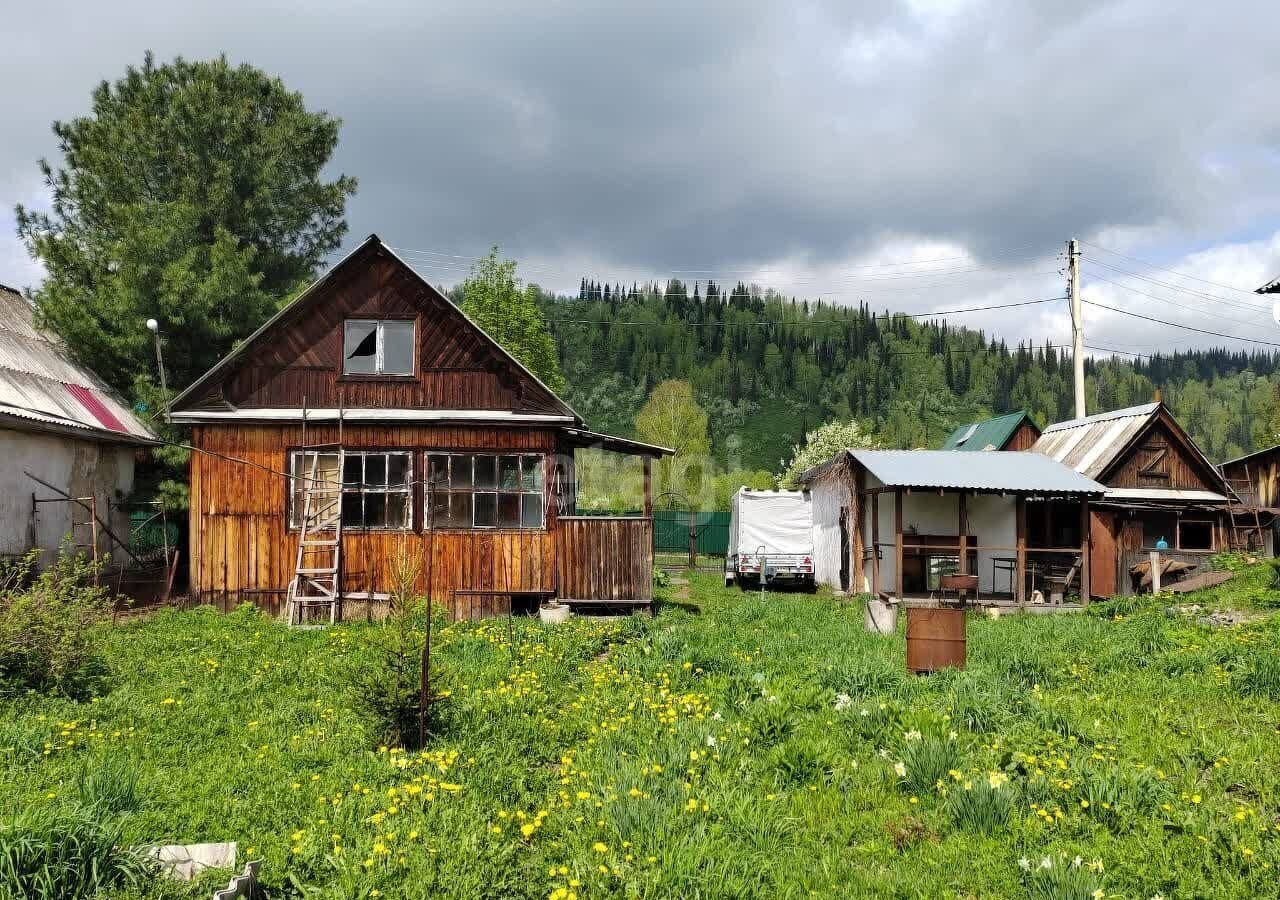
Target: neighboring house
1012,431
435,443
1159,486
896,521
63,426
1255,479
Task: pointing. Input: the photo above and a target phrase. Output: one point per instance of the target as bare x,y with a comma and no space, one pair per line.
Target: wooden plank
1086,584
1020,568
963,532
875,544
897,541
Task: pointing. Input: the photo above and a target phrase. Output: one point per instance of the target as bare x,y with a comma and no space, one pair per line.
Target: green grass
733,746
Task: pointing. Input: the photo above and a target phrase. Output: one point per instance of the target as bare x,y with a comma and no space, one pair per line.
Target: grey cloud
731,134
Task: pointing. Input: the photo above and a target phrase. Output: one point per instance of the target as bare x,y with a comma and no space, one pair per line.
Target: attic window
377,347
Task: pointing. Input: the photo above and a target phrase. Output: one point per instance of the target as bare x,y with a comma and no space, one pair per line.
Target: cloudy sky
921,155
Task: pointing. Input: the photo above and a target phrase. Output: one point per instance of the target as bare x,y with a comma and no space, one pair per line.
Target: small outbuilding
1012,431
67,444
896,522
1255,480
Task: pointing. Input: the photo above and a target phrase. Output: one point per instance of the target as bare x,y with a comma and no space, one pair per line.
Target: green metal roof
987,433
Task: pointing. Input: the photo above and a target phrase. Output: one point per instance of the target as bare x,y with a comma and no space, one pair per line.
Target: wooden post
1155,571
897,541
1020,569
93,534
1085,586
648,487
857,549
875,544
963,533
693,540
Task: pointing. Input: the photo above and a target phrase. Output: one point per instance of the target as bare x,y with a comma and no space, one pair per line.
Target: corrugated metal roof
1091,444
989,434
39,383
1014,472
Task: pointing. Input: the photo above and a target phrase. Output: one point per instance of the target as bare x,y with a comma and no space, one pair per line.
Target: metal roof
1091,444
988,434
40,385
1017,472
1248,456
1171,495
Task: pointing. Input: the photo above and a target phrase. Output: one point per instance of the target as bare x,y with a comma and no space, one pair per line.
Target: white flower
1024,863
1046,863
901,768
1076,862
912,735
711,740
884,752
717,717
865,712
843,702
952,735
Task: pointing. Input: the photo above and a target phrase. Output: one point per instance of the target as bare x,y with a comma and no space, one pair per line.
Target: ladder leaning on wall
316,577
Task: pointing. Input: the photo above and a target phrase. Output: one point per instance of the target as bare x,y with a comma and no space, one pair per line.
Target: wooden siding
241,550
1263,469
1160,459
1023,437
606,559
456,366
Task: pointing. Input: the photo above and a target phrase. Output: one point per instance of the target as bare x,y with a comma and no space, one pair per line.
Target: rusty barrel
935,639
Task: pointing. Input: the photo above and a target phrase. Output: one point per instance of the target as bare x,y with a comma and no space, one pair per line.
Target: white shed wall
992,520
81,468
830,494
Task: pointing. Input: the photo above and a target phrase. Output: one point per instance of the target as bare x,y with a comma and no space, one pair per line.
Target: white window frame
379,364
302,458
441,492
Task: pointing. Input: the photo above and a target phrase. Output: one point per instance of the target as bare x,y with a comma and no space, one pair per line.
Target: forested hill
768,368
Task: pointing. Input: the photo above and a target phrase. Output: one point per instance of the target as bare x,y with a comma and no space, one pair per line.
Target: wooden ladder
317,572
1239,510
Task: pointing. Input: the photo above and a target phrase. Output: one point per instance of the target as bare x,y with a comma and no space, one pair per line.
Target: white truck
770,538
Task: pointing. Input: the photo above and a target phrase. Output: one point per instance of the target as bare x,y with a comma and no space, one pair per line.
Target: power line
1252,307
1180,325
1171,271
1115,350
777,324
1197,311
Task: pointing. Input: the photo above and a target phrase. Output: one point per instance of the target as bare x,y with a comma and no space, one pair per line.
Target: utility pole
154,327
1077,322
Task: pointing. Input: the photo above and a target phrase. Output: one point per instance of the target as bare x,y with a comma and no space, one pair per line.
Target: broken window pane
486,510
508,510
360,348
486,471
531,512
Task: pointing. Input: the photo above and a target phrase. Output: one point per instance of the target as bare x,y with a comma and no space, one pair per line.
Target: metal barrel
935,639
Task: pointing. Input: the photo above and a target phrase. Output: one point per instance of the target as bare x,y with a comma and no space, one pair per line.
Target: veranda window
375,487
486,490
377,347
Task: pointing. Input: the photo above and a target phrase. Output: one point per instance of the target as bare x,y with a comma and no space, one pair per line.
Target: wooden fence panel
606,558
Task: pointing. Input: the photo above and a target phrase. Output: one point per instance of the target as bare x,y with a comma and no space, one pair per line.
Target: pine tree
191,193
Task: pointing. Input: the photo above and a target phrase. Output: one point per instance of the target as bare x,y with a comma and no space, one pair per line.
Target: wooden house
1159,488
374,396
1012,431
1255,479
899,522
